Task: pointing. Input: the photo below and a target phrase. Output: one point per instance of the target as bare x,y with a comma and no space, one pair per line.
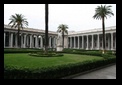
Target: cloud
77,16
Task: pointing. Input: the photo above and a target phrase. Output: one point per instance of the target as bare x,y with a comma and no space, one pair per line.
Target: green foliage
107,54
42,54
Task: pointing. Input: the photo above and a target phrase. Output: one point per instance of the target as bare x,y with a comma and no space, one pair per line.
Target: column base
98,49
112,49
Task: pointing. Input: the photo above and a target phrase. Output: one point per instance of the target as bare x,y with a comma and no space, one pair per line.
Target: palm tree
46,28
18,21
63,29
101,12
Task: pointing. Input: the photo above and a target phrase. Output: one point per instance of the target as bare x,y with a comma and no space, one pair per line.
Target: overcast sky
78,17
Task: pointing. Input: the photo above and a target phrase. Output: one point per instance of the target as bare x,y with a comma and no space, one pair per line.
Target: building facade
35,38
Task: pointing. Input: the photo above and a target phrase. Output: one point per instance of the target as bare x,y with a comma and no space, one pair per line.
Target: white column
30,41
11,40
41,41
53,42
78,42
56,41
98,44
67,42
4,39
82,43
92,41
36,40
111,41
50,42
24,45
74,43
87,42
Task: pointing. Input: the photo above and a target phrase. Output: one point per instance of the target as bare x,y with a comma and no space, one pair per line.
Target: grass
24,60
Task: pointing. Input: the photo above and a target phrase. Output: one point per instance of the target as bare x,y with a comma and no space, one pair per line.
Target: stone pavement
104,73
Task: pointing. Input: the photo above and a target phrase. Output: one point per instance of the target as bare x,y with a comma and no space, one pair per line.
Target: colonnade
27,40
92,41
33,38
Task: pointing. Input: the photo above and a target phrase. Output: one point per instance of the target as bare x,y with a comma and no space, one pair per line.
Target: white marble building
34,38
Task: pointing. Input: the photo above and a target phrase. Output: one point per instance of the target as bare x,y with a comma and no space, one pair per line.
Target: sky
77,17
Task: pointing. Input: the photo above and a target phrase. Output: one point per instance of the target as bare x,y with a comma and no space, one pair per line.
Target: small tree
101,12
18,21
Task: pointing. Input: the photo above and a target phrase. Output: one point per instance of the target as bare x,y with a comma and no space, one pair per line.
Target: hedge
26,50
21,50
50,54
54,72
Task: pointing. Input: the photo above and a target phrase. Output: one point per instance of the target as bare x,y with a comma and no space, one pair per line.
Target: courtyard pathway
104,73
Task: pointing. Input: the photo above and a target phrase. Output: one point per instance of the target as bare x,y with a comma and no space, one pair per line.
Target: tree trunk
63,40
19,37
103,26
46,28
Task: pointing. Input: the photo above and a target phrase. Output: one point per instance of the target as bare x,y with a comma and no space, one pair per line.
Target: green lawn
24,60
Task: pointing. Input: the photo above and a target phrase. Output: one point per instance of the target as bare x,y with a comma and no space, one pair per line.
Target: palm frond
102,11
18,20
66,31
62,28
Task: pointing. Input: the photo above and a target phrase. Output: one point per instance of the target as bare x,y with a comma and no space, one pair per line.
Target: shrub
42,54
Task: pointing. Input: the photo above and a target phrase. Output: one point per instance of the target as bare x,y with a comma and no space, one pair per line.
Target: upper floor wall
7,28
93,31
52,33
